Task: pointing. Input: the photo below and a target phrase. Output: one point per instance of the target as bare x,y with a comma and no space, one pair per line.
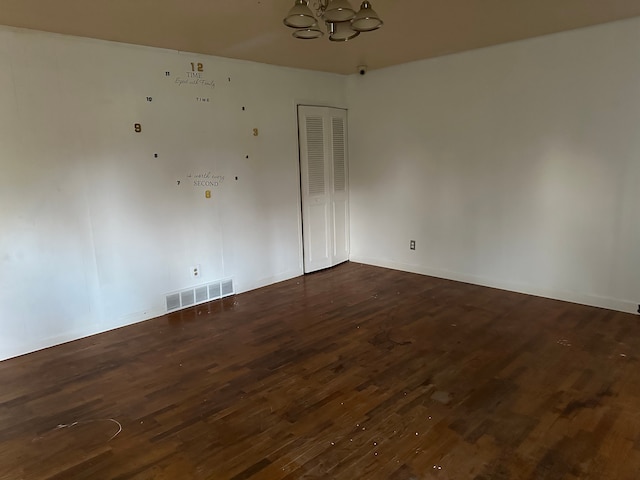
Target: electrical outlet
412,244
195,271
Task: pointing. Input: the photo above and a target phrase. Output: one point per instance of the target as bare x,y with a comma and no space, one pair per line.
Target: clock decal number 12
197,67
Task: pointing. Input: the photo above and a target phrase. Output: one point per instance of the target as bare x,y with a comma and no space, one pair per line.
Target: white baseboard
242,287
11,351
42,343
573,297
7,352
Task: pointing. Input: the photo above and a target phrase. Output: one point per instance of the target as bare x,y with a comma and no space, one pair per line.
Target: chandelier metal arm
342,21
320,6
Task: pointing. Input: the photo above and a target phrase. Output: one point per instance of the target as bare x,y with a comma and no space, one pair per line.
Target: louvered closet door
339,193
324,181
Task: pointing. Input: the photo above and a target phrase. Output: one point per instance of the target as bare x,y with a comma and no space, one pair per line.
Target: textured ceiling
253,30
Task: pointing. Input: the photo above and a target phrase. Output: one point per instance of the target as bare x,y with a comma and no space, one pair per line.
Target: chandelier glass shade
366,19
308,33
341,31
342,21
300,16
338,11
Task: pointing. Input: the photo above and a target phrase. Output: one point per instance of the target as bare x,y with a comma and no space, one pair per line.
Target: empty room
325,239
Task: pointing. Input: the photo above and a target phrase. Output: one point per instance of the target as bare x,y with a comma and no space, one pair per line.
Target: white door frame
323,162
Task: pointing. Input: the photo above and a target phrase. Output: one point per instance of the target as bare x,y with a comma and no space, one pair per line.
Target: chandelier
343,23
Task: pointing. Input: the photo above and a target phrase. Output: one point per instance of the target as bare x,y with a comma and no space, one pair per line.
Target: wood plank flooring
356,372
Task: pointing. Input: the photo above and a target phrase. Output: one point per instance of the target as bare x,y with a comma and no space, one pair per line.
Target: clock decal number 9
137,127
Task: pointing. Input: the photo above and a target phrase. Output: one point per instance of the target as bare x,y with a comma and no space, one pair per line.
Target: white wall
94,229
515,166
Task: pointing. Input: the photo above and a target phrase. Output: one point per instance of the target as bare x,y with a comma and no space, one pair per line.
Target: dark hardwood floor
356,372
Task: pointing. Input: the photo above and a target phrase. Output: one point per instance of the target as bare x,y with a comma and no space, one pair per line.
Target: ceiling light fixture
342,21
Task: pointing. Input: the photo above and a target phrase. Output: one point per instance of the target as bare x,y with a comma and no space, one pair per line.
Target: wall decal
206,179
195,77
195,81
91,216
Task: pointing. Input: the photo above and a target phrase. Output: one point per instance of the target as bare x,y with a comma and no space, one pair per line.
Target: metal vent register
199,294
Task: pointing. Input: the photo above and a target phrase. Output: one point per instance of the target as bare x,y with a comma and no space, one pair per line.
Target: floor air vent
214,291
173,301
200,294
227,287
187,298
